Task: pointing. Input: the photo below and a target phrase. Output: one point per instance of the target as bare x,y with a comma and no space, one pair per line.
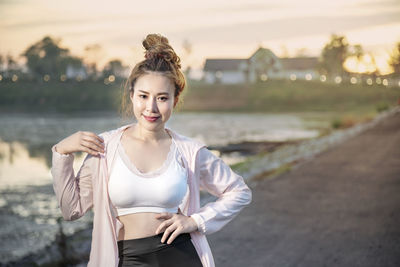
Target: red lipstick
151,119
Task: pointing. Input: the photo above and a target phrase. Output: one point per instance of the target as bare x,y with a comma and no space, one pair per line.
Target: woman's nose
152,104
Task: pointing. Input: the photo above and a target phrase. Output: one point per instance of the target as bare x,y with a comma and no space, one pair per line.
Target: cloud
376,3
243,7
69,22
288,27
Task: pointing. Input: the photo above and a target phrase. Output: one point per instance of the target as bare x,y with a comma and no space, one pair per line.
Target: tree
357,52
301,52
1,62
93,53
373,63
187,47
114,67
47,57
333,56
11,63
12,66
284,51
394,60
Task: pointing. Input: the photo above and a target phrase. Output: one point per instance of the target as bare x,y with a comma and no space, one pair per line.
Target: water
28,206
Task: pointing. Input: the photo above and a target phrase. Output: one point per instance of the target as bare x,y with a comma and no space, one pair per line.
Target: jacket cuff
59,155
201,227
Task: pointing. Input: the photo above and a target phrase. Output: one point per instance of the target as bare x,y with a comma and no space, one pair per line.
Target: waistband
153,243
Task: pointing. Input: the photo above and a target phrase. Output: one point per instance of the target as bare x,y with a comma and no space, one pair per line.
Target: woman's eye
162,98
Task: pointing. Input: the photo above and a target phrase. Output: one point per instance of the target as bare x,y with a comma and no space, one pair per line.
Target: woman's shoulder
186,140
109,134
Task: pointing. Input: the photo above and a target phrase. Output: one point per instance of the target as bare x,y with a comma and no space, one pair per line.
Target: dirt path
340,209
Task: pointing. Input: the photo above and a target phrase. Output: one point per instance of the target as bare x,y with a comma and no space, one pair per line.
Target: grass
343,105
292,96
245,165
274,173
57,97
273,96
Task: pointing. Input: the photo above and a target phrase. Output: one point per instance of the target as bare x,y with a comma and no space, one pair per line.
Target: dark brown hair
160,57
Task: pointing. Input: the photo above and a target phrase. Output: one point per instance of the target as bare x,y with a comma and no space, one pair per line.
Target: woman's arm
74,193
219,180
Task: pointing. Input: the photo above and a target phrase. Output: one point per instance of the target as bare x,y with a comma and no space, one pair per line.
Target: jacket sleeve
219,180
74,193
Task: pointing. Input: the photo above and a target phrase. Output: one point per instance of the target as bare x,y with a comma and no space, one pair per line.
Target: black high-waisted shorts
150,252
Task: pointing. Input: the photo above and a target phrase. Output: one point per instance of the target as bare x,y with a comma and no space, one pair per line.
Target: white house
263,64
225,70
299,68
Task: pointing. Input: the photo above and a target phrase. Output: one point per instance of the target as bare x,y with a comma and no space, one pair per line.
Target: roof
229,64
223,64
263,52
299,63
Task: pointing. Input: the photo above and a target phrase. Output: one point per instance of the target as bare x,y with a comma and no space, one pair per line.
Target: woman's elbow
245,196
249,196
69,215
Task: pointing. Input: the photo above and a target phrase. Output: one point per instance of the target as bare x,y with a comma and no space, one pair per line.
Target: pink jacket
88,189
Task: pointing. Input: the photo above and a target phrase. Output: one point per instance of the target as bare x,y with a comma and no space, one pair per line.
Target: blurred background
261,75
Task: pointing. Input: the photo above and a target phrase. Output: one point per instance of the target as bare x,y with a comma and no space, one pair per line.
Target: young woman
143,179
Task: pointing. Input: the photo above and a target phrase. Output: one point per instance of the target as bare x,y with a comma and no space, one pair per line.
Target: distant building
301,67
262,65
225,70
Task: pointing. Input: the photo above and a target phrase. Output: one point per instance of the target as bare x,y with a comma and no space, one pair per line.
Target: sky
213,28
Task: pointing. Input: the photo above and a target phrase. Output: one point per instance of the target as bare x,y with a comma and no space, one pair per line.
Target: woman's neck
148,136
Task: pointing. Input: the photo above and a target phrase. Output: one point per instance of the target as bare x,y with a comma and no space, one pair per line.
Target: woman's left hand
177,223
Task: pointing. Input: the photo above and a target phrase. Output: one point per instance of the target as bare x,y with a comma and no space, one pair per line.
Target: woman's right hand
81,141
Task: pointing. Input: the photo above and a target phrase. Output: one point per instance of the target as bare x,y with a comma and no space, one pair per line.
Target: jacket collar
115,135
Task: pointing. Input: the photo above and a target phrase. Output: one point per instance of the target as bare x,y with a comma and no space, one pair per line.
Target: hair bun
157,46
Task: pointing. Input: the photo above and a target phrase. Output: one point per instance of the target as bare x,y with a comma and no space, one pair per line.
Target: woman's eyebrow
162,93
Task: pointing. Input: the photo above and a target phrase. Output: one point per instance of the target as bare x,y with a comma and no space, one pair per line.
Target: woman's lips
151,119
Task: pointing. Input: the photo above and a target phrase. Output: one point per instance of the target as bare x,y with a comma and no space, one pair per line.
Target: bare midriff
138,225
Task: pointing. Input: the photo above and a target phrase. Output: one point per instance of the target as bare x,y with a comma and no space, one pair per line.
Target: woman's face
153,100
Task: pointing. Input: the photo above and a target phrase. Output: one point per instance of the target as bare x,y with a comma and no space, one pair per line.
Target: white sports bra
162,190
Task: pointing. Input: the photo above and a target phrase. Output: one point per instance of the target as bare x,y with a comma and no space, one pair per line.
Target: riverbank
276,162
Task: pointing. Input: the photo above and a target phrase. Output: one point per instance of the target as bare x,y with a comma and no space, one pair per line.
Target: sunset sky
215,29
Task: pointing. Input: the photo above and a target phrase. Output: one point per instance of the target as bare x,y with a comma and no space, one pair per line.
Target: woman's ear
131,95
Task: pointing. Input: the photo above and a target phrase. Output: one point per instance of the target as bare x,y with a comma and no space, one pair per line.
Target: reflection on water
28,206
28,220
21,167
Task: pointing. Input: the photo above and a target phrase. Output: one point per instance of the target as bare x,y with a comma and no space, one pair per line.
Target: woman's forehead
154,84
